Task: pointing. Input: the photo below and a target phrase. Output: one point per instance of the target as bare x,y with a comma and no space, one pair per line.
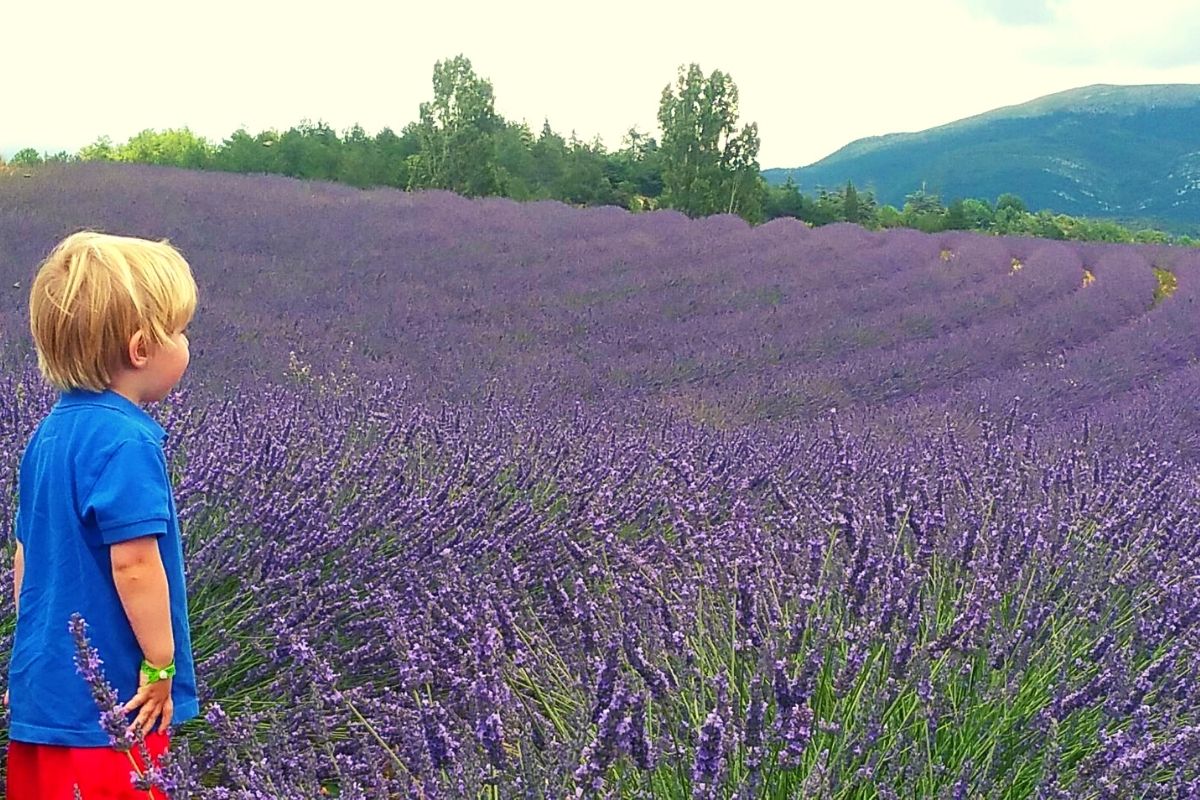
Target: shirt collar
110,399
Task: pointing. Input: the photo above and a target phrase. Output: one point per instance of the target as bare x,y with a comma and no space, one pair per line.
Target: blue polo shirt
92,475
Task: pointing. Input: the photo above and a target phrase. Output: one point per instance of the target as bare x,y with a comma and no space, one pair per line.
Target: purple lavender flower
90,666
709,765
440,744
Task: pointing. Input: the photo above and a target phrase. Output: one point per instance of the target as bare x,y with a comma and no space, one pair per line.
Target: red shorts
51,772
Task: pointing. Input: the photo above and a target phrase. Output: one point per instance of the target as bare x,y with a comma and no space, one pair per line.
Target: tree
514,161
707,165
457,133
850,208
26,157
583,181
358,159
924,211
636,170
242,152
394,152
977,214
1045,225
99,150
549,161
173,147
956,216
889,216
309,150
786,201
827,208
1009,201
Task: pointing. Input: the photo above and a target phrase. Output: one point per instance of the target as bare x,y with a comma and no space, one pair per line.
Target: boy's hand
155,702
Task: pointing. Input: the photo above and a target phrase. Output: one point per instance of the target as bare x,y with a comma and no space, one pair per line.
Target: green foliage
548,154
850,204
100,150
242,152
704,164
924,211
514,161
709,166
27,157
1010,202
636,169
786,201
977,215
173,147
457,133
310,151
583,180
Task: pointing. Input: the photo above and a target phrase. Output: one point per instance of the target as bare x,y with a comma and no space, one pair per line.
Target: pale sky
813,75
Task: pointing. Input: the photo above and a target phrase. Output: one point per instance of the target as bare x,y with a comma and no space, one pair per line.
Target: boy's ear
138,352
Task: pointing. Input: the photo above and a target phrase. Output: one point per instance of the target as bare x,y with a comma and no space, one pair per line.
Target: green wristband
156,674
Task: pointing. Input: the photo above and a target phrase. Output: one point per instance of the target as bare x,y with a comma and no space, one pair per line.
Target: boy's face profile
155,370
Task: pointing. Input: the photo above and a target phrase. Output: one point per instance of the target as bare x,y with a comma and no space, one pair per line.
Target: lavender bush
489,500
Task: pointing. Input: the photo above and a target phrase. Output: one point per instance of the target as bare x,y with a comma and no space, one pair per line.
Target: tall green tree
851,209
708,165
27,157
457,133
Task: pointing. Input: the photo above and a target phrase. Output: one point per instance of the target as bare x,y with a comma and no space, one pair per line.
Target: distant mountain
1125,152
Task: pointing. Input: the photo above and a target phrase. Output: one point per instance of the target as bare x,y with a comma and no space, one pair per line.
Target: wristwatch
156,674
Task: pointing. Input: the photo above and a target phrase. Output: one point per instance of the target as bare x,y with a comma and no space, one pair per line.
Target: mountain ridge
1103,150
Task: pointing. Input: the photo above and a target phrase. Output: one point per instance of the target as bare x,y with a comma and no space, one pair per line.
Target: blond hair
93,293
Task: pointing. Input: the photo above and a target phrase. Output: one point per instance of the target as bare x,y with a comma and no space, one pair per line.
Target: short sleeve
131,496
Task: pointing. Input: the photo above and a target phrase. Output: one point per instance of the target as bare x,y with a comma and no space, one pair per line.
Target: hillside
536,553
1121,152
728,322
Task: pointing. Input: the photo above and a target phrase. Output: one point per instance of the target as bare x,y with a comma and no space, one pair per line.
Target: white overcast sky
813,75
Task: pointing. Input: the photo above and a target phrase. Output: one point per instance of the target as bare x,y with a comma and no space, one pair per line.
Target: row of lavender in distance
729,324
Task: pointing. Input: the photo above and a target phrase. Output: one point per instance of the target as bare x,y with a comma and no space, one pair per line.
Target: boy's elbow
134,556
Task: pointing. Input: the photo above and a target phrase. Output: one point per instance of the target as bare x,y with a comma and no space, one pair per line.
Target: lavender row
731,323
489,601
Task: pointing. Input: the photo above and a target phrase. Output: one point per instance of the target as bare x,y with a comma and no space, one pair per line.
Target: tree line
701,163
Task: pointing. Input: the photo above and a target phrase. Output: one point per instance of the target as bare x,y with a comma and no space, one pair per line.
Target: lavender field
492,500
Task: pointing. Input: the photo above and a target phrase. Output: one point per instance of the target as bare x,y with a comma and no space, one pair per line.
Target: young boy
96,525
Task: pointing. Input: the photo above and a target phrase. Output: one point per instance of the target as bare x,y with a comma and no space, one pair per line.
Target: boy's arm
18,577
141,581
